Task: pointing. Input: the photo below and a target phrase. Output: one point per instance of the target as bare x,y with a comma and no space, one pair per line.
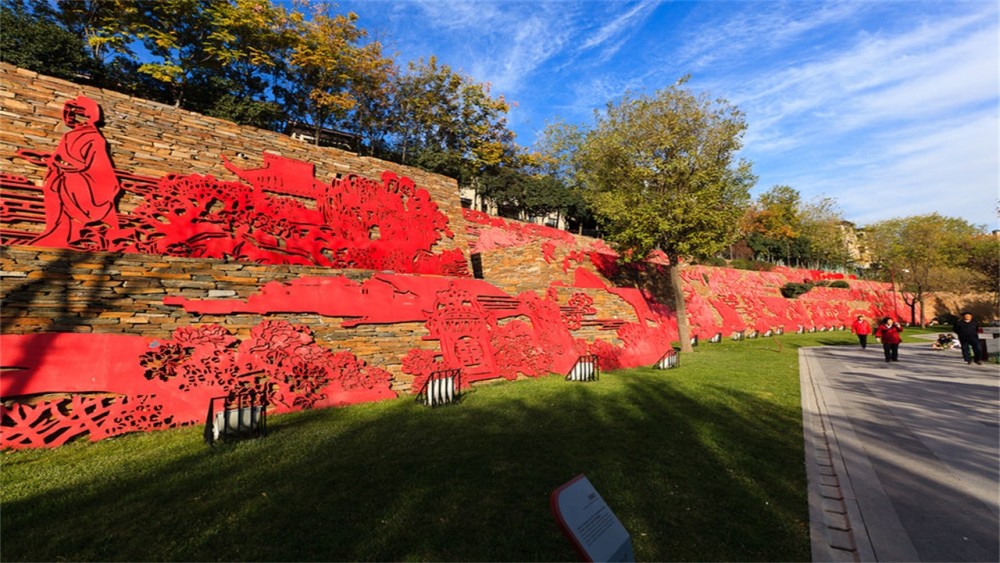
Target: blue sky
890,107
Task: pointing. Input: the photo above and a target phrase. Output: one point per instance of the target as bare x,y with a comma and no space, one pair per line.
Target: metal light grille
669,360
586,368
236,415
441,388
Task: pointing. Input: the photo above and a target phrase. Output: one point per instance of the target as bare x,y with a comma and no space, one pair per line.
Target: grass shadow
695,473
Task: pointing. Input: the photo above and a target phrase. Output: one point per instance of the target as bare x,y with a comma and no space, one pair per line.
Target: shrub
714,261
841,284
755,265
791,290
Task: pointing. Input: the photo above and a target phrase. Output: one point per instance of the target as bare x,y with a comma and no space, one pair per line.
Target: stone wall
109,338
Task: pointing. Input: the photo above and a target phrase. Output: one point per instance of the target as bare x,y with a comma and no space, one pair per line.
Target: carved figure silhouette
80,185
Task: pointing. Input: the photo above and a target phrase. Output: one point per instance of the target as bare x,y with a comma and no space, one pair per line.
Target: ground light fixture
240,414
586,368
671,359
441,388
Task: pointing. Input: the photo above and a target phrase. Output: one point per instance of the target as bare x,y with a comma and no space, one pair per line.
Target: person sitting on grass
944,342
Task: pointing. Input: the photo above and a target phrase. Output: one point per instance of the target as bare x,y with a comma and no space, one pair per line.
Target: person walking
967,331
862,328
888,331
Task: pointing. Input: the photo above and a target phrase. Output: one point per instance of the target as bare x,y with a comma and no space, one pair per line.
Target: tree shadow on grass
703,478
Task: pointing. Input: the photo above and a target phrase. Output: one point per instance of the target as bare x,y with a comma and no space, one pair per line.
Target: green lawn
704,462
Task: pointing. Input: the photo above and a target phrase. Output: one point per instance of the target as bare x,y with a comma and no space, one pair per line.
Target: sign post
584,517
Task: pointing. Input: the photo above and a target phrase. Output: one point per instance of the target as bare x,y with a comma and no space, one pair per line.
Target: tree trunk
912,304
680,307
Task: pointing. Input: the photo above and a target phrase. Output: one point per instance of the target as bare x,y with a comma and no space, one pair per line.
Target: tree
660,172
107,26
982,256
773,225
532,194
553,157
375,86
913,250
450,124
193,42
822,227
322,67
31,38
256,37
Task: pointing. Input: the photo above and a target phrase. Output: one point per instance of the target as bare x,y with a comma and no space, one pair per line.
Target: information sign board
585,518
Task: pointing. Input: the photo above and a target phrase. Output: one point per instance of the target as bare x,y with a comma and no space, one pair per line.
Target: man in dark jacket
968,337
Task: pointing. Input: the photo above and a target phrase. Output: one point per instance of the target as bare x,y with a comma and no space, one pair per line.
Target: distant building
327,137
857,248
472,200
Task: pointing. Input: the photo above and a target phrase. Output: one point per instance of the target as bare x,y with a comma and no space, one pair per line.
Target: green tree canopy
323,64
32,38
822,227
450,124
912,251
772,224
660,172
982,256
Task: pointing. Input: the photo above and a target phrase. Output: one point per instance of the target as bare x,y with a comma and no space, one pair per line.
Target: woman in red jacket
889,331
862,328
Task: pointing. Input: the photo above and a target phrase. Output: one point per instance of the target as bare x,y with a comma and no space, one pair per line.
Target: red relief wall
123,251
723,300
96,170
719,300
222,338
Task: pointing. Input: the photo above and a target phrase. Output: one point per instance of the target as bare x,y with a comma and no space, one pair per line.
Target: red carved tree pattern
183,373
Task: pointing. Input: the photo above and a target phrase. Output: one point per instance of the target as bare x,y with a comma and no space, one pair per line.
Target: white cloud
755,29
611,36
947,166
930,70
460,15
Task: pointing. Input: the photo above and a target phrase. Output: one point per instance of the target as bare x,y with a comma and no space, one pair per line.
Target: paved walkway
903,458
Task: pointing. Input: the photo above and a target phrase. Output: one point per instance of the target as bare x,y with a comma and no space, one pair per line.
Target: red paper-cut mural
722,300
354,222
279,213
